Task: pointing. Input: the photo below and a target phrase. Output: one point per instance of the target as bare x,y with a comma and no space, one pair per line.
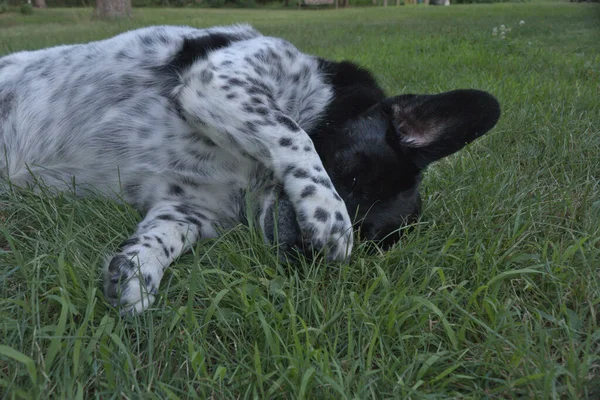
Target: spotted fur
185,124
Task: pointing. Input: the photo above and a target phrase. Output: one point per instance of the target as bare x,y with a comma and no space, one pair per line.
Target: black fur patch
194,49
285,142
175,190
355,89
183,209
322,181
261,110
251,127
321,214
308,191
120,263
288,123
6,103
129,242
288,170
194,221
206,76
333,247
236,82
337,228
301,173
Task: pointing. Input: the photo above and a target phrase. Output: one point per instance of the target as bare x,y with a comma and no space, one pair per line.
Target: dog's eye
354,182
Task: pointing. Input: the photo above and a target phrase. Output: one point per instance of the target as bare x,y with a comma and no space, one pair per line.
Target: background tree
112,9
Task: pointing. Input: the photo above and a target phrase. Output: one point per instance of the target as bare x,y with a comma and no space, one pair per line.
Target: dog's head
379,156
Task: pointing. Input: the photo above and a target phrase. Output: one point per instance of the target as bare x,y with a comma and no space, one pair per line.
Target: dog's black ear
431,127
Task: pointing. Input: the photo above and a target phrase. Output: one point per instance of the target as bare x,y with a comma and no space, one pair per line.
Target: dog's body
187,125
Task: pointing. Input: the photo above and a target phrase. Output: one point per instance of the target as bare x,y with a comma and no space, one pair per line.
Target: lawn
494,294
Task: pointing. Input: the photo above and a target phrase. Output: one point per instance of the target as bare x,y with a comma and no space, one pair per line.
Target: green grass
495,294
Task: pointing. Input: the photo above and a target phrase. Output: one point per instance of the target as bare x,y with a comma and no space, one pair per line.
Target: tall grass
496,292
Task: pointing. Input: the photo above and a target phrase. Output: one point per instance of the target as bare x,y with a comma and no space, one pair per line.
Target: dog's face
378,158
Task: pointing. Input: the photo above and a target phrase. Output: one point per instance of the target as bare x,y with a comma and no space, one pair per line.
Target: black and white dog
187,124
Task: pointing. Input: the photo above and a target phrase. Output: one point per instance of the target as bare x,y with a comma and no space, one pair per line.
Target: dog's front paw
123,287
325,226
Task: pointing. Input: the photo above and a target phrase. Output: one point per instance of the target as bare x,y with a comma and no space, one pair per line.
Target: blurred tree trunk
40,3
112,9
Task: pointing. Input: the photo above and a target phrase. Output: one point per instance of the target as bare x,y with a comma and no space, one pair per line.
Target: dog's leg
242,115
132,276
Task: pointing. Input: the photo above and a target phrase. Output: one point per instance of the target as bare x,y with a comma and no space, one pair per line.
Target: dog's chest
296,88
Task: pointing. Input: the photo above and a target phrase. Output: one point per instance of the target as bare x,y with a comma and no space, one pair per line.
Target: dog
190,125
